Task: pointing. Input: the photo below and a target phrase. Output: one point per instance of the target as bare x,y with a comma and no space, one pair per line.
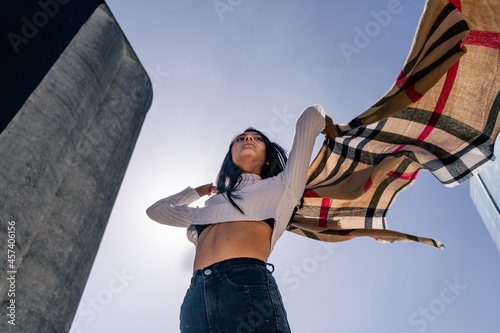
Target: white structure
485,193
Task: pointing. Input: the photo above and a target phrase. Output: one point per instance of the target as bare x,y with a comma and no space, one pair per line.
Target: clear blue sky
260,63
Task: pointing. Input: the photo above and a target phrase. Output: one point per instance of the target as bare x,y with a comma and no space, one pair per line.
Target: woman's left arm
309,125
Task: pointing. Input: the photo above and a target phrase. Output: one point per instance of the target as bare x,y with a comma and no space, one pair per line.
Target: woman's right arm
174,210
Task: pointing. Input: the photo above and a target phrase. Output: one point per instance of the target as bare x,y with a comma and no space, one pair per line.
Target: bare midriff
234,239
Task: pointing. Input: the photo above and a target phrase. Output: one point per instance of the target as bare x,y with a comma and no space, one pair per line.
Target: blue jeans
237,295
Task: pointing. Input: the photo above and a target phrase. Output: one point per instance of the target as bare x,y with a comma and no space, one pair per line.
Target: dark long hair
229,178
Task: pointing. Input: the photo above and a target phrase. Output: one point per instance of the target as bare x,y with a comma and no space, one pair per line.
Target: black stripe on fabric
455,30
482,143
327,143
435,64
414,78
383,100
382,187
442,16
369,218
445,123
434,242
340,161
461,175
439,20
373,158
355,123
332,232
344,150
492,117
443,157
309,234
411,237
309,210
358,151
405,185
452,163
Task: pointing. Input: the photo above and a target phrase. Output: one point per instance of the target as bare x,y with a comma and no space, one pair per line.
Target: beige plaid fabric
441,115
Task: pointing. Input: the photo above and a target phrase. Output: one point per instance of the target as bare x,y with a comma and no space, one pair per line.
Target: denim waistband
225,265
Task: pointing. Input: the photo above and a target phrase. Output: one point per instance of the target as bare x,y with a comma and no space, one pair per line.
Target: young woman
257,190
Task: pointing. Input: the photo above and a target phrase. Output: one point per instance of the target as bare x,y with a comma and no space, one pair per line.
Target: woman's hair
229,178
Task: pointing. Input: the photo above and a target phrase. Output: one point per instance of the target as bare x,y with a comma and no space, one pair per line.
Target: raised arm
308,126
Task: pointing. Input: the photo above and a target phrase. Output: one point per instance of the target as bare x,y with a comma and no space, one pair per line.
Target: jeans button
208,272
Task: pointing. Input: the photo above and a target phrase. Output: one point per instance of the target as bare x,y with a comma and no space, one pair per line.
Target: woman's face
249,152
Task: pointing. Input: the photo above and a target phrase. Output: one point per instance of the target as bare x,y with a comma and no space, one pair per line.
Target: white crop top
274,197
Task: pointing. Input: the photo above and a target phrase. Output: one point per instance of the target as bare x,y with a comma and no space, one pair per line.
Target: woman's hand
207,189
330,129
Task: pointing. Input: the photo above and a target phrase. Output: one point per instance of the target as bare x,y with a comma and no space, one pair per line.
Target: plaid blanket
440,115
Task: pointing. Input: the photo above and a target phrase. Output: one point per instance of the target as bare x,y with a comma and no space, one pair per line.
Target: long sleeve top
260,199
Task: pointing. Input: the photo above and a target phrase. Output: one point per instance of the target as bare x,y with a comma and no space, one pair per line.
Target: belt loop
272,266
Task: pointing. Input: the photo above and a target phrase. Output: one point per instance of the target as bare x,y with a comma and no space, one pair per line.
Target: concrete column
62,159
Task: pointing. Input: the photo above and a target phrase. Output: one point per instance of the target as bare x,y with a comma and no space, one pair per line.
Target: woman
257,190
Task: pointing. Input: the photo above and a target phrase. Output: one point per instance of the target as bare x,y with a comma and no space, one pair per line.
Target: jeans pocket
247,277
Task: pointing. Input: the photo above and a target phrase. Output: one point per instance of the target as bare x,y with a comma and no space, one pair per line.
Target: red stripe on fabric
399,148
310,194
451,76
430,126
323,213
457,3
406,176
401,79
413,94
483,38
368,184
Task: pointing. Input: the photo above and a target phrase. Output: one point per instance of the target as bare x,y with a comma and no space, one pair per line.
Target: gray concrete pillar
62,160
